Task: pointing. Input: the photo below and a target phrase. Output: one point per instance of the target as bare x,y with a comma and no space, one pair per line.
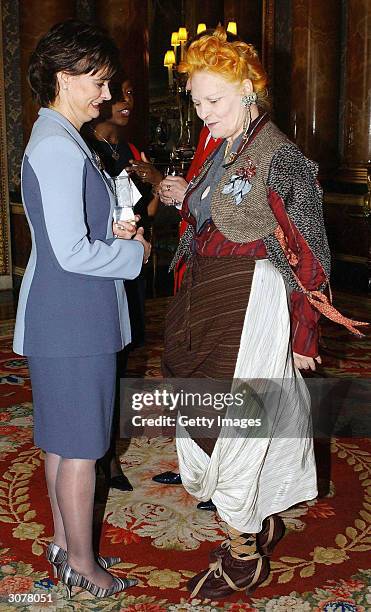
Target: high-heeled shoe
71,578
57,555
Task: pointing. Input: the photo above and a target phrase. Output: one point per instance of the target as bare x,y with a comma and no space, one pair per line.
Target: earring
247,120
249,99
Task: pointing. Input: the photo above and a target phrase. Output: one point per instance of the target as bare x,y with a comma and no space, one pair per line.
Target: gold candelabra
177,82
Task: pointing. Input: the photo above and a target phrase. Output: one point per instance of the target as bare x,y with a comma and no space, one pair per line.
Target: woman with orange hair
255,242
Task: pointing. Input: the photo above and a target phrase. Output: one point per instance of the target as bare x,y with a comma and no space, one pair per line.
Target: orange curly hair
234,61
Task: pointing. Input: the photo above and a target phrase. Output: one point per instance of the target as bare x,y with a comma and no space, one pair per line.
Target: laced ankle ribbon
242,546
268,532
318,299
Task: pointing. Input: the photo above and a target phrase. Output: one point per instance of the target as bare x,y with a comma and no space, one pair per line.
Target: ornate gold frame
268,37
5,258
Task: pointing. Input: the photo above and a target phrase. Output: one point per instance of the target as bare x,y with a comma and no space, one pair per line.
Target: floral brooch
240,183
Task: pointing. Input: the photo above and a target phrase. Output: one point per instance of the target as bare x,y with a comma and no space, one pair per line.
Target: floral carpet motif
322,564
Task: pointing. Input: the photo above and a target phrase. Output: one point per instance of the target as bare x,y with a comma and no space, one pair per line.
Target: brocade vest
253,218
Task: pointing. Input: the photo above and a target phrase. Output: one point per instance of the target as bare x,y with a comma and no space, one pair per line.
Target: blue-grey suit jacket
72,300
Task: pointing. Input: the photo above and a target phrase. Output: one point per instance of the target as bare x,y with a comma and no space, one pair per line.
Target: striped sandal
57,555
71,578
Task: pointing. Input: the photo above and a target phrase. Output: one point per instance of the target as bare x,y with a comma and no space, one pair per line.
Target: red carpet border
321,564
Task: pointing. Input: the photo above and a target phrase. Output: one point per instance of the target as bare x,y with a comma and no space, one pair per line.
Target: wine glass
173,170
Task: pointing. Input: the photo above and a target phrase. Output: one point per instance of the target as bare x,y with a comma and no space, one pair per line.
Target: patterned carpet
322,564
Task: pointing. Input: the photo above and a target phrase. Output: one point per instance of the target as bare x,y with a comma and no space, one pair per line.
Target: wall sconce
232,27
182,37
169,61
201,28
175,40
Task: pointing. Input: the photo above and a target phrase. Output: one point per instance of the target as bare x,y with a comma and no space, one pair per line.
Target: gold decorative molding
356,259
268,37
5,262
349,199
367,198
18,271
352,174
17,209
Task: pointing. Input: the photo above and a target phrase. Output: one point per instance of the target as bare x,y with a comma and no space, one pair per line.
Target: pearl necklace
115,154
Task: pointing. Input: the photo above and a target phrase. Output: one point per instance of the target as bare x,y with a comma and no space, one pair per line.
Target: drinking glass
172,170
124,206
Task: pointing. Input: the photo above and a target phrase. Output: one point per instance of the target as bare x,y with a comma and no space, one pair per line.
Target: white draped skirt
248,476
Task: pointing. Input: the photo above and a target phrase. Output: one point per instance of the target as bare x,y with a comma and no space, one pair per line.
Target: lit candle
232,27
201,28
169,61
182,37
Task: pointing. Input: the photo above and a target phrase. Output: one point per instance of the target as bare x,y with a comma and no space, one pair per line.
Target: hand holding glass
172,170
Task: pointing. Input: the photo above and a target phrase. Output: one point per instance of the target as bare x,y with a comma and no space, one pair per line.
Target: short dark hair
74,47
116,84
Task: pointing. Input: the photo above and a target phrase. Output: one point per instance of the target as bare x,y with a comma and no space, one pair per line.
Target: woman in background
107,137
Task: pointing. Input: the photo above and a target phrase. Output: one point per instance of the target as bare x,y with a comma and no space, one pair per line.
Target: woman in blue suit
72,315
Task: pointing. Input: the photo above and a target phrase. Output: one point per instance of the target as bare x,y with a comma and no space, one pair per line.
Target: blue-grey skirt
73,400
